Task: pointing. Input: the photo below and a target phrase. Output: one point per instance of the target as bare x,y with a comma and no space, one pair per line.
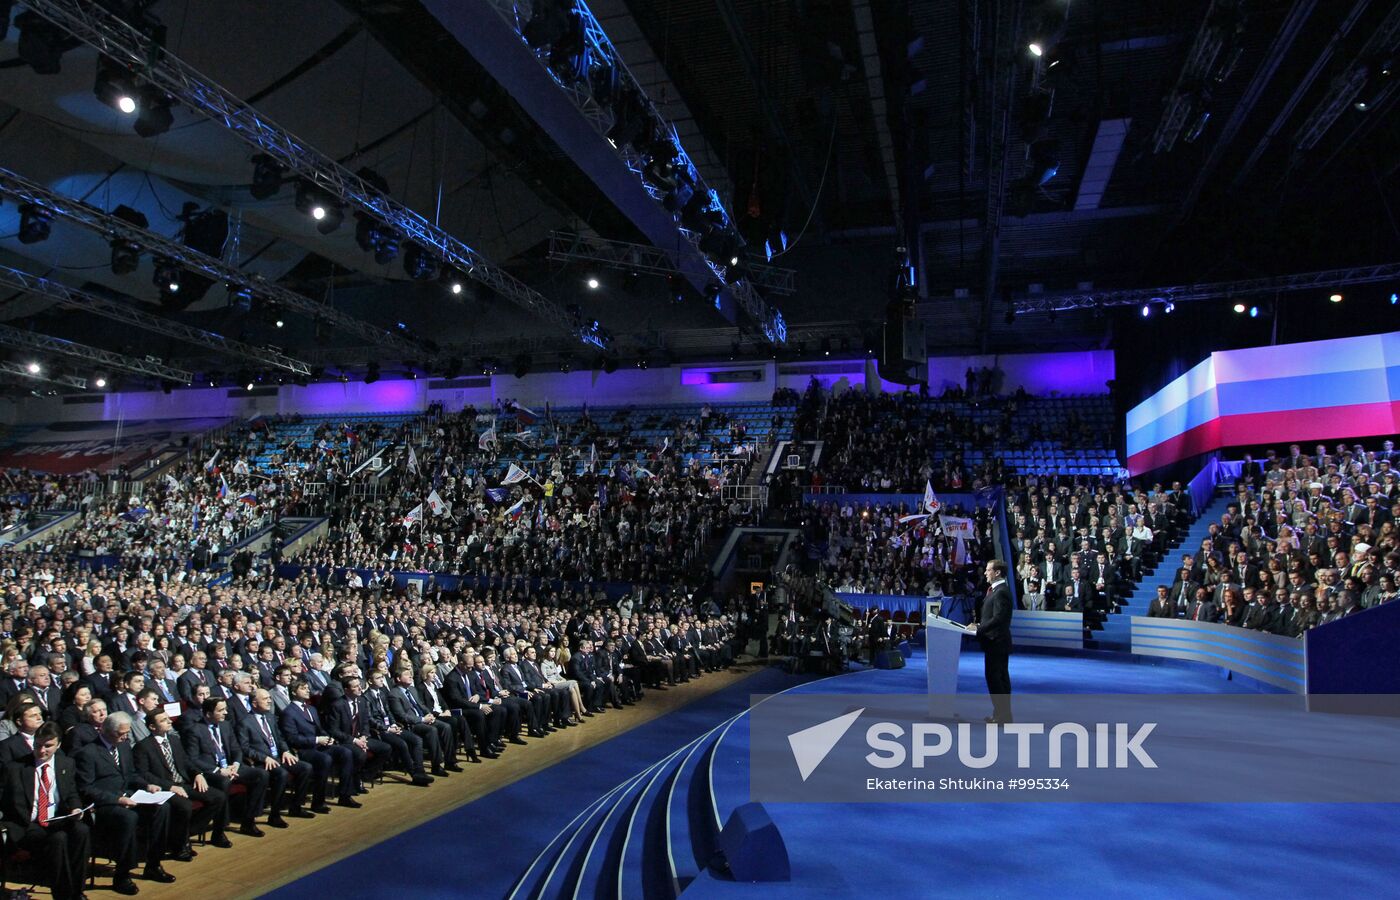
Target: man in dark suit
301,725
161,759
993,630
1161,606
19,747
264,745
103,679
559,696
35,795
347,720
405,746
16,679
591,683
513,680
46,693
483,683
214,750
408,710
107,776
482,720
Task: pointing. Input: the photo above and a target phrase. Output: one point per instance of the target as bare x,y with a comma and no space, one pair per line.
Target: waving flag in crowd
223,488
240,467
412,460
516,510
515,475
498,494
172,484
249,498
212,466
931,504
436,505
487,441
414,516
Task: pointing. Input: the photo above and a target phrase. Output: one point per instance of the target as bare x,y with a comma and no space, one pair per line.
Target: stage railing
1269,658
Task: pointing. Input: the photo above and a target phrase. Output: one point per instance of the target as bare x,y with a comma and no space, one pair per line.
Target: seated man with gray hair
107,777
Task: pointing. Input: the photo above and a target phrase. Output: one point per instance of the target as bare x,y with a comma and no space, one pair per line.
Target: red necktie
43,812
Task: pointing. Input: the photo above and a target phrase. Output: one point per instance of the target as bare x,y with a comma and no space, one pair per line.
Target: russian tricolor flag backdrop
1270,395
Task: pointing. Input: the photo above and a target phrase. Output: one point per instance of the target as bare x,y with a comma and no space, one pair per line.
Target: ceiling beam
25,191
21,371
566,110
118,40
568,247
101,359
1219,290
1003,91
82,301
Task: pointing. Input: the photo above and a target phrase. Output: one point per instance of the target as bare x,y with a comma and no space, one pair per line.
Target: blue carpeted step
1117,630
545,869
581,868
680,835
644,868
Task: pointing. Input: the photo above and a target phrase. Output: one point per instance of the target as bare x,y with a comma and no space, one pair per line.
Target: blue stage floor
917,850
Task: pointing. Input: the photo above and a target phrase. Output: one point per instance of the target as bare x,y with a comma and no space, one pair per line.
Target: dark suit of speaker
994,634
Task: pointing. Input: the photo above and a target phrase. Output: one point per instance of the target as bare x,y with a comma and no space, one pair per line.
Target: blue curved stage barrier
1043,628
1269,658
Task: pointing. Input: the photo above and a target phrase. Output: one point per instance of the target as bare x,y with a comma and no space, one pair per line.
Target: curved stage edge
1055,849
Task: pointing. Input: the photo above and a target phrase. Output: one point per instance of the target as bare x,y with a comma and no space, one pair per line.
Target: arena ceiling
849,126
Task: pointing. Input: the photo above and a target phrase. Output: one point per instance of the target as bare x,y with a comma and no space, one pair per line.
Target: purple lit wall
1069,373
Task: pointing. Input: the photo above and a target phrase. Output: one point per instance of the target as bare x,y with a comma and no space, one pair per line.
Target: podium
943,649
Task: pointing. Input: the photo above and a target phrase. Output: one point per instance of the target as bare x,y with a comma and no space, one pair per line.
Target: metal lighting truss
26,191
600,117
567,247
72,298
43,343
116,39
1348,83
19,371
1210,40
1330,278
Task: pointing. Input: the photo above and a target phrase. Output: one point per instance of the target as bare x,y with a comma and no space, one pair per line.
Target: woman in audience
75,697
552,667
88,662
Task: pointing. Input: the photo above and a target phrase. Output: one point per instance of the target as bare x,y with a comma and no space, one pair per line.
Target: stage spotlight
248,386
1036,48
267,177
155,115
1335,298
35,224
41,43
372,372
1146,310
279,323
320,206
371,236
126,255
1394,298
1240,307
1169,308
34,368
100,382
566,363
456,287
1254,312
115,87
1045,162
169,280
419,264
593,283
